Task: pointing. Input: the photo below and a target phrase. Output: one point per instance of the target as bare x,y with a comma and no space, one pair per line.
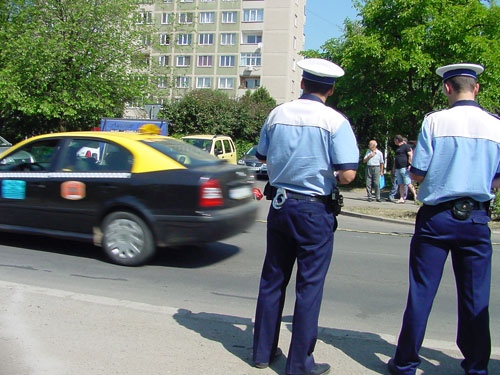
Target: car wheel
127,240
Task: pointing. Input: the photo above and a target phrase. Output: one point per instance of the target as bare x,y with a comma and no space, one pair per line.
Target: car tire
127,240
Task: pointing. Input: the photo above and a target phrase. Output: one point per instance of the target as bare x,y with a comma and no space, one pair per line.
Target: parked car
4,145
136,192
256,166
220,146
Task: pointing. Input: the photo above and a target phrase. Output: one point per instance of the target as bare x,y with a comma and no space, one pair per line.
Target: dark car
126,192
256,166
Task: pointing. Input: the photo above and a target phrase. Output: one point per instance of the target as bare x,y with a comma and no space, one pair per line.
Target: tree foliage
66,63
213,112
391,54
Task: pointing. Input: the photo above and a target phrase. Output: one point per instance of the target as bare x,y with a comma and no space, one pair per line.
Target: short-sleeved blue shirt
458,152
304,141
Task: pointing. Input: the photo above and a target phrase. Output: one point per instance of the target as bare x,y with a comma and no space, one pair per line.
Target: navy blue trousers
437,232
300,231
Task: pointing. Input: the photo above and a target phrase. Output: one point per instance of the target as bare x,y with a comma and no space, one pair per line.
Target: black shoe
319,369
370,199
392,367
274,357
390,199
379,200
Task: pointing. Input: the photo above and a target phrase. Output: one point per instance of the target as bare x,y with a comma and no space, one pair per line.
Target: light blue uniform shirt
458,152
304,141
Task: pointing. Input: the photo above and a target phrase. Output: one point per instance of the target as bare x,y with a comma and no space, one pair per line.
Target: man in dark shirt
402,163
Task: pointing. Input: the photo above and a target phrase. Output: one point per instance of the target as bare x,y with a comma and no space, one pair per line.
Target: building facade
230,45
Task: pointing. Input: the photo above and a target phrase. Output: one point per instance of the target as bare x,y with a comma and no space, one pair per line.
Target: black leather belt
308,198
475,204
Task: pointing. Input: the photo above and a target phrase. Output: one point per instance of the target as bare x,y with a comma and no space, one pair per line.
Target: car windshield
184,153
3,142
252,151
203,144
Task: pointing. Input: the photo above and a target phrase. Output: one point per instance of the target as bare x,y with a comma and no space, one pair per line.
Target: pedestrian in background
402,162
374,160
309,149
457,162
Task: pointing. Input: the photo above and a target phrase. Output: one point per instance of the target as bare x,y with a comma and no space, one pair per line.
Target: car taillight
211,194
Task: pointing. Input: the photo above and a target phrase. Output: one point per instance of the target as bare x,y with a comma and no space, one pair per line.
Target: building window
185,17
228,17
204,61
226,61
250,59
183,61
182,82
163,60
164,39
146,40
203,82
227,39
294,42
294,65
250,83
293,86
206,39
144,17
184,39
207,1
166,18
186,1
162,83
251,37
295,21
207,17
167,1
226,83
253,15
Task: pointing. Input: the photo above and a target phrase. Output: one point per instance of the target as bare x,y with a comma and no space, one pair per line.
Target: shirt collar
461,103
311,97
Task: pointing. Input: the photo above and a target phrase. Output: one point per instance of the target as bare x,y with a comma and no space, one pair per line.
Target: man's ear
476,89
447,88
330,92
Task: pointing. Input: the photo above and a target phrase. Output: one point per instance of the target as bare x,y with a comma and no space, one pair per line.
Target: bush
495,208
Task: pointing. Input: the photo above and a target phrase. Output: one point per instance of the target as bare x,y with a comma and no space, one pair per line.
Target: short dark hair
399,138
462,83
312,87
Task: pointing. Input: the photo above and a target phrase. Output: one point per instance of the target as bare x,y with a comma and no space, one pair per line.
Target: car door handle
41,186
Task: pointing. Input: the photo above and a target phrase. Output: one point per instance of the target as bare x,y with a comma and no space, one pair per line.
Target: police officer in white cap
456,162
309,148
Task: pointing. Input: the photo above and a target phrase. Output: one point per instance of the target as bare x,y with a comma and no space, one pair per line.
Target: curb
377,218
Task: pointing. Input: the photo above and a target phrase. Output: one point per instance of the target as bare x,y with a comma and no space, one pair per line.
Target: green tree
66,63
390,57
213,112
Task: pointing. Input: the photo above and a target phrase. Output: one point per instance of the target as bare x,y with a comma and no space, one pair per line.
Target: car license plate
240,192
254,168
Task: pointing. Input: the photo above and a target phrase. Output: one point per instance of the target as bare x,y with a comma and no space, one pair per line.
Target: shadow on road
367,349
178,257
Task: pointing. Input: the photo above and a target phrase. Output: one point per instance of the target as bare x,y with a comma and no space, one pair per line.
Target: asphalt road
365,289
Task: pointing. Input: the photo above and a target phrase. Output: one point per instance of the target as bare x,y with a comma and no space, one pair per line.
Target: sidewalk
356,199
47,331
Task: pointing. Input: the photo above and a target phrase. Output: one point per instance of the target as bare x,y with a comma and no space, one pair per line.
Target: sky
324,20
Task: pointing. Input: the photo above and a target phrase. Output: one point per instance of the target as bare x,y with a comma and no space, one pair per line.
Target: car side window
227,146
218,148
34,156
116,159
81,155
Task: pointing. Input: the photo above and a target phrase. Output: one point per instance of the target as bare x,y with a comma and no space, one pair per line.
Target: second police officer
457,162
309,148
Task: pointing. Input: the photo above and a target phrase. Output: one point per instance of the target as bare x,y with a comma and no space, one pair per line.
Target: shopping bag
382,181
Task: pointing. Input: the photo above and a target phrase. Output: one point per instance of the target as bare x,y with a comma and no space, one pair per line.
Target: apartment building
230,45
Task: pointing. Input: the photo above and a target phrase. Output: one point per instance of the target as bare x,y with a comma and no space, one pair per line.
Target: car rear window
184,153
